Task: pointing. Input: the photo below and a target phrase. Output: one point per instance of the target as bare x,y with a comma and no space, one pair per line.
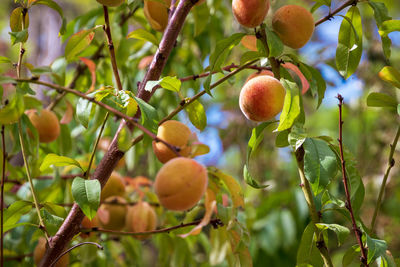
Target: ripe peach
157,13
39,251
46,123
114,187
175,133
145,62
250,42
294,25
181,183
250,13
112,216
256,74
111,3
86,223
262,98
141,218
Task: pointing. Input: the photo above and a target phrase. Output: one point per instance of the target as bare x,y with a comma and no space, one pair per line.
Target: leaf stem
356,230
28,173
390,165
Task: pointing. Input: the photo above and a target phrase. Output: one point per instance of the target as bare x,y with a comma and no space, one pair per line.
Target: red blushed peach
181,183
264,72
250,13
294,25
141,218
112,216
250,42
261,98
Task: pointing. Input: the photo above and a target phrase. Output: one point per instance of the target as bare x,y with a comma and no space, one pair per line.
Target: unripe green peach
181,183
264,72
46,123
175,133
250,42
294,25
39,251
115,186
112,216
141,218
250,13
261,98
157,13
111,3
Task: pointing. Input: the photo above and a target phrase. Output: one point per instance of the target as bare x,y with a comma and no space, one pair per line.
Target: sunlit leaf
56,160
376,248
78,42
197,115
390,75
381,100
233,186
142,34
291,107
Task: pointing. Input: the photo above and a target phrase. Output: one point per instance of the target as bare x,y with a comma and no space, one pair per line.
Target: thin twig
390,165
357,231
155,204
214,223
28,173
131,120
337,10
3,177
107,30
73,247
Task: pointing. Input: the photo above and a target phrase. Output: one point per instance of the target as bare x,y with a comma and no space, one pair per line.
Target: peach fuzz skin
180,184
261,98
286,24
250,13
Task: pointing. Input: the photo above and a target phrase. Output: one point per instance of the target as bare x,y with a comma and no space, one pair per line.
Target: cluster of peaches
262,96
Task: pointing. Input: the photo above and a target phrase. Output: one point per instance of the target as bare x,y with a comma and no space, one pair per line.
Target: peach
250,13
261,98
175,133
111,3
114,187
157,13
180,184
86,223
112,216
145,62
39,251
141,218
46,123
294,25
104,144
261,73
250,42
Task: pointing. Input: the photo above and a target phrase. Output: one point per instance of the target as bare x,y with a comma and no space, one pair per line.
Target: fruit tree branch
390,165
337,10
357,231
71,224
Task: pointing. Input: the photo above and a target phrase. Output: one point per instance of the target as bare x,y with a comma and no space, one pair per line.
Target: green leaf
142,34
41,70
291,107
125,139
84,110
171,83
308,252
78,42
341,231
349,50
55,209
6,79
320,165
16,19
197,115
381,100
56,160
390,75
274,43
19,37
219,55
282,139
324,2
201,15
316,81
389,26
351,255
249,56
233,186
256,137
149,115
15,211
376,248
86,193
5,60
297,136
381,13
56,7
11,112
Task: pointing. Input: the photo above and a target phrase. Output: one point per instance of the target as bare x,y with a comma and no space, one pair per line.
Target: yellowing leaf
233,186
390,75
92,68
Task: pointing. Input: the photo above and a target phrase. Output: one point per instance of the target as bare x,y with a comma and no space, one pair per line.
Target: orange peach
264,72
250,13
86,223
261,98
157,13
175,133
112,216
39,251
294,25
141,218
114,187
46,123
181,183
250,42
